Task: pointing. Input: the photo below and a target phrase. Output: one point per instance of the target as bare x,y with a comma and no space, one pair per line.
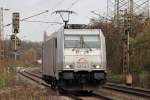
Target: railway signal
16,42
15,22
15,29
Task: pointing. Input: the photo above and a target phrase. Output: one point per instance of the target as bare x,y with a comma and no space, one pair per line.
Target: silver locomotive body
75,59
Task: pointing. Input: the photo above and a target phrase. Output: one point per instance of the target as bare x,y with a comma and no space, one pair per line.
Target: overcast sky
34,31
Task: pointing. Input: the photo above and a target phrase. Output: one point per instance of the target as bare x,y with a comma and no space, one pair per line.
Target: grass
27,92
3,79
2,82
12,89
117,78
20,92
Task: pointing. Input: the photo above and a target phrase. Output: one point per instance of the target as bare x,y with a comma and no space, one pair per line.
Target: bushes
141,79
116,78
2,82
3,79
139,49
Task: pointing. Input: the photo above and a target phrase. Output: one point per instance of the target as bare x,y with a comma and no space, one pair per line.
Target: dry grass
21,92
13,89
27,92
16,90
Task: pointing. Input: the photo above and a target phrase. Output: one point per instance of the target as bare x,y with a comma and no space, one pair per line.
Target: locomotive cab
83,66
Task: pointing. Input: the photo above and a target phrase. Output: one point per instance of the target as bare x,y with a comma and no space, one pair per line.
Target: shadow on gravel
76,93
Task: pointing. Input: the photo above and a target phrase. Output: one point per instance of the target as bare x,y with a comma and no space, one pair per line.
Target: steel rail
126,89
102,96
94,94
31,75
65,92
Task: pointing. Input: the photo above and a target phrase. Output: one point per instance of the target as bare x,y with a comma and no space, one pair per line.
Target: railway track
38,79
129,90
111,86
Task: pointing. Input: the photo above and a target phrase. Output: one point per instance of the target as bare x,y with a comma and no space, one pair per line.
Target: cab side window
55,42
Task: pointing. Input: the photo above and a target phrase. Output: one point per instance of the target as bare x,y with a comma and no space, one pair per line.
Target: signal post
126,65
15,30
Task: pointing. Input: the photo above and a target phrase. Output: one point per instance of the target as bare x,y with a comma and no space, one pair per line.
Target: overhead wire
43,22
46,11
73,3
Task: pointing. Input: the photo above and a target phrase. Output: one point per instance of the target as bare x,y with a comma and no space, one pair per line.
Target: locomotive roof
75,32
82,31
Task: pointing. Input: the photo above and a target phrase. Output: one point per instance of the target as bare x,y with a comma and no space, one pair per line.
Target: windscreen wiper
84,44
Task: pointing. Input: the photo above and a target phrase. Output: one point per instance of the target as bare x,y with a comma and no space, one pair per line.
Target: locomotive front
84,60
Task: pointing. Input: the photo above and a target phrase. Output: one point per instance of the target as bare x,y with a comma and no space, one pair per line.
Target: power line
72,4
43,22
46,11
75,2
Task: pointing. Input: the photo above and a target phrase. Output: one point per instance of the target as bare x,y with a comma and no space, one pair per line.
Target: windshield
82,41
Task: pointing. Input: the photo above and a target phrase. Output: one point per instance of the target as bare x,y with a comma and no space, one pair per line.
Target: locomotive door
54,55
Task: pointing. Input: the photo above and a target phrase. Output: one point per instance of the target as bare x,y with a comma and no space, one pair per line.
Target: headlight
97,66
67,67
